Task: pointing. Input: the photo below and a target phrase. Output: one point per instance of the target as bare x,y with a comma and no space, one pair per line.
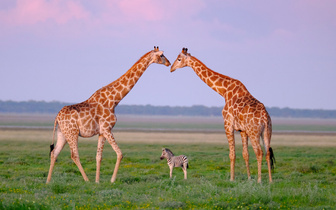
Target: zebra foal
175,161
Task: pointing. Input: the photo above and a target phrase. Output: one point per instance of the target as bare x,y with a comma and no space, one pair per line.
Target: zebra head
166,153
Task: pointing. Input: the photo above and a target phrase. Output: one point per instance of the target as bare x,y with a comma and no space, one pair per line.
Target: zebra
175,161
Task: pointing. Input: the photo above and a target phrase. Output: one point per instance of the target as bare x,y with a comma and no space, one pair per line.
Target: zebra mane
169,151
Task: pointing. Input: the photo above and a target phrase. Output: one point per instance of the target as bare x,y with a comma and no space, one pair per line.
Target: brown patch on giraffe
118,87
204,74
221,91
106,112
209,82
229,94
219,83
214,78
100,108
236,89
103,95
230,87
124,92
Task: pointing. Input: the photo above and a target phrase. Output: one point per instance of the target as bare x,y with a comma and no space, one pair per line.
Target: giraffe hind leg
259,154
54,152
269,154
246,153
72,140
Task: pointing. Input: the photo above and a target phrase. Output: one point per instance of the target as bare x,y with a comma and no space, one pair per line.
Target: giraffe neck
218,82
112,94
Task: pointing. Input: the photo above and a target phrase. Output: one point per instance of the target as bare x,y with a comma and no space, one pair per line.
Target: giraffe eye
179,59
161,55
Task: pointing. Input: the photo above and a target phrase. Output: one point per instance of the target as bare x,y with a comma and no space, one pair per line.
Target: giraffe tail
267,141
52,146
272,158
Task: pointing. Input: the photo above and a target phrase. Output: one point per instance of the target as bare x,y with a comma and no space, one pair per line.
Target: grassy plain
304,177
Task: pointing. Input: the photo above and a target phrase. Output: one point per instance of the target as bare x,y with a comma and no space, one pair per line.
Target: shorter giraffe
242,112
96,116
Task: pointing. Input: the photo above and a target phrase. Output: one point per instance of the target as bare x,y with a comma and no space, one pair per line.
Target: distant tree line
197,110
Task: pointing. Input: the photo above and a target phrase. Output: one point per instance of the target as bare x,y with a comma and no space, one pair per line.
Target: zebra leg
171,171
184,168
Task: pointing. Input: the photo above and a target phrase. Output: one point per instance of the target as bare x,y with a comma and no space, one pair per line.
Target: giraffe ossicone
242,112
96,116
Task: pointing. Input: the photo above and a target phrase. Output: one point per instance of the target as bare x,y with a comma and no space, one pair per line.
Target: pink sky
283,51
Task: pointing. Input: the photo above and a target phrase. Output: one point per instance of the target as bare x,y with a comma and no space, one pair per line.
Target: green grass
304,178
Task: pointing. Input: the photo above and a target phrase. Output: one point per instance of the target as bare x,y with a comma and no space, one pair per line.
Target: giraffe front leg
246,153
232,155
100,147
117,150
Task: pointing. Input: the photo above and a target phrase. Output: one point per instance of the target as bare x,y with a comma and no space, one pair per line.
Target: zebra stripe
175,161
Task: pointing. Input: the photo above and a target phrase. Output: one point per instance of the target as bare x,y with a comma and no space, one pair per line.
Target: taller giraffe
242,112
96,116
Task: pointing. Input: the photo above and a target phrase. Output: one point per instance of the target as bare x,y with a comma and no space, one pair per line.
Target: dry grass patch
174,138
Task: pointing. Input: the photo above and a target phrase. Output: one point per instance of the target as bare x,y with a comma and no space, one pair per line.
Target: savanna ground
304,176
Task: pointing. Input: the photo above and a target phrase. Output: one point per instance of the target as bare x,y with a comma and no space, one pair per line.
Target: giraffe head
181,60
158,57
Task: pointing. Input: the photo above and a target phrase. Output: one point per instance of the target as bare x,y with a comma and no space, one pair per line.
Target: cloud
146,10
99,18
30,12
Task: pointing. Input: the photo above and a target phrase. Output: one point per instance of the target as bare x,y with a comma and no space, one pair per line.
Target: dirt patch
173,138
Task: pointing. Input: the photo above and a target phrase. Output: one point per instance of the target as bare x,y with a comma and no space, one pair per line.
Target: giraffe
242,112
96,116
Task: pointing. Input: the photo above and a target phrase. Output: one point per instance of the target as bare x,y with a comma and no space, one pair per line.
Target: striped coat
175,161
